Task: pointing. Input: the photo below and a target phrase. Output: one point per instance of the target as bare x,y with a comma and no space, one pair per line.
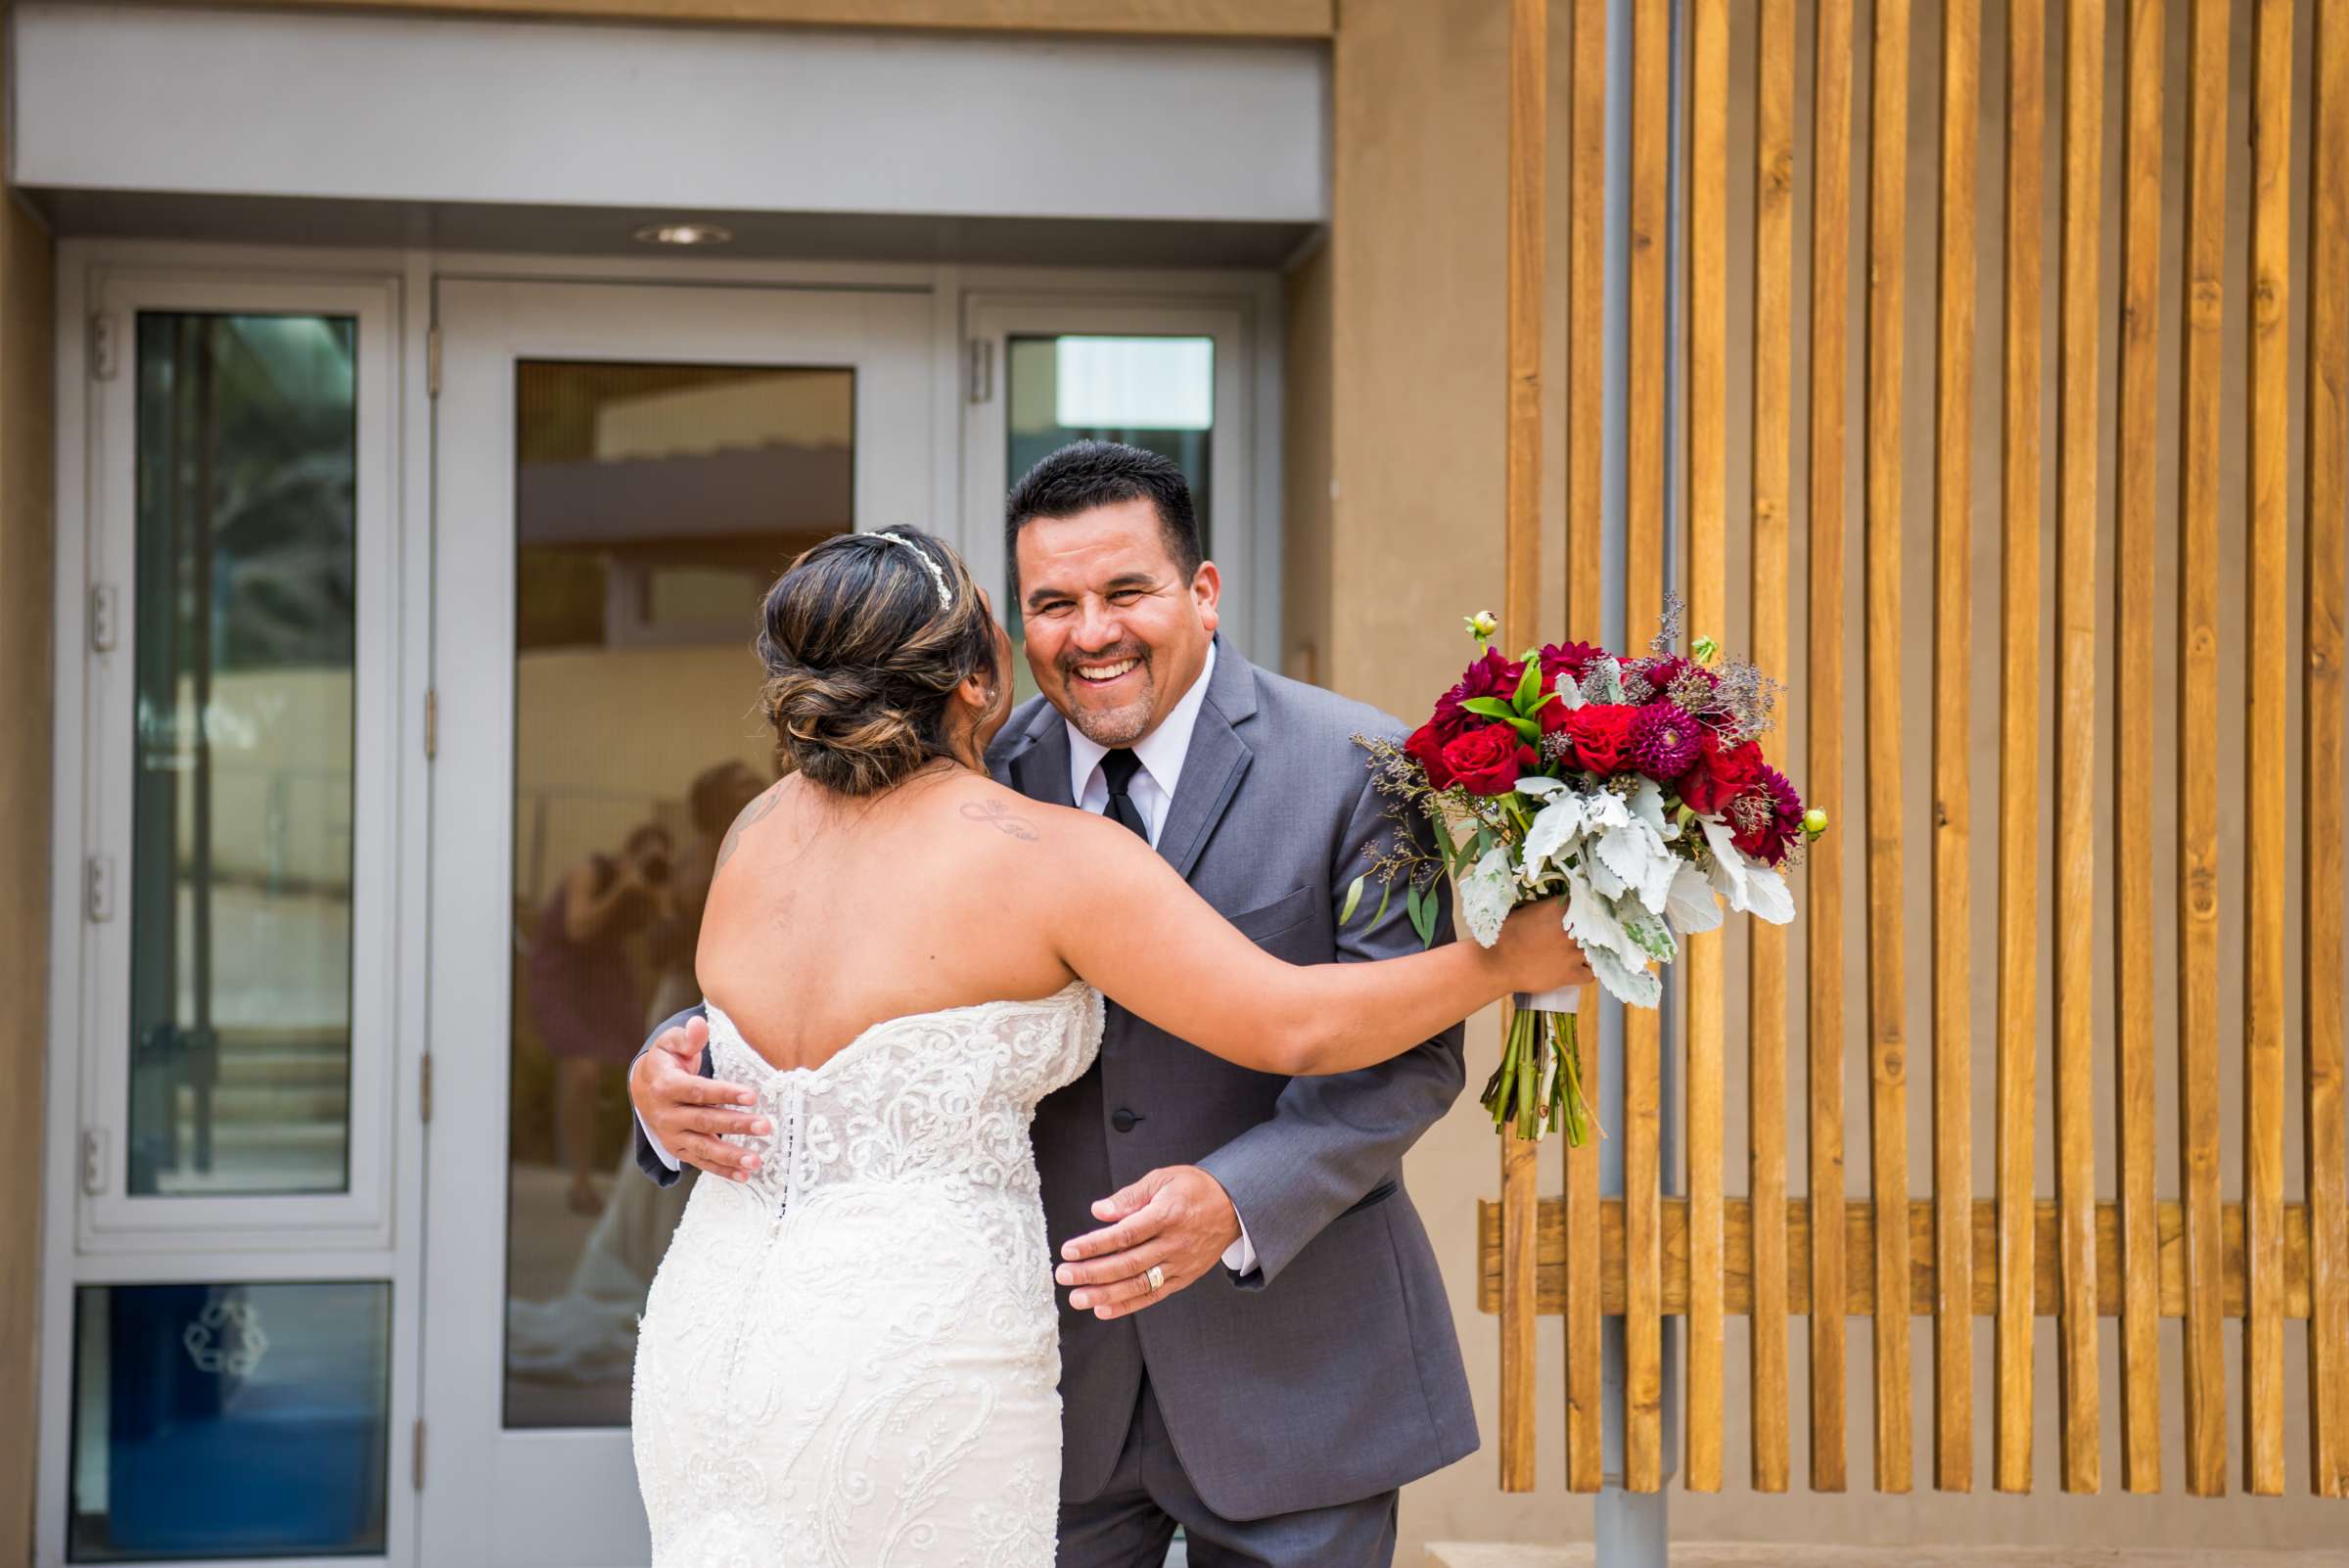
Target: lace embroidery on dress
852,1360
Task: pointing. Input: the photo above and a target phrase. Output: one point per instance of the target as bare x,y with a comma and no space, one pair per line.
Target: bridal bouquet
1634,787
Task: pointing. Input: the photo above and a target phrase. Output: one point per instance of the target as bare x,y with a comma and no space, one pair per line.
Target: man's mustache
1069,663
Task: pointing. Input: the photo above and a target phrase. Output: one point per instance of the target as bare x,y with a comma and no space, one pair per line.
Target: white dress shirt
1161,753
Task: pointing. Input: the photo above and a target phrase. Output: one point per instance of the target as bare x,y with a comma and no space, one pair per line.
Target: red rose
1487,760
1603,734
1426,748
1721,774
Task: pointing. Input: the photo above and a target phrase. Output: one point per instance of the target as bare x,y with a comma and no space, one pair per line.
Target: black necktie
1118,768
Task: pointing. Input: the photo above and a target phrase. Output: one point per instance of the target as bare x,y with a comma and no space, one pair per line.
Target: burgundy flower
1487,760
1720,774
1664,741
1490,677
1569,659
1601,733
1767,816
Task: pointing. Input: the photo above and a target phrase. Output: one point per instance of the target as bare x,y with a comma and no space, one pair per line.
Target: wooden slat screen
2075,671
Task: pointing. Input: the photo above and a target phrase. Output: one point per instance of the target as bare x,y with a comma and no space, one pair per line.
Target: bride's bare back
831,913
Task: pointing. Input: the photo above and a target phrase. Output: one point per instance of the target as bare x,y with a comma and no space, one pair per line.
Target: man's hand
1178,1218
689,1112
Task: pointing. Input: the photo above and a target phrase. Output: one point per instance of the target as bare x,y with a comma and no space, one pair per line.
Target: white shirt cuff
660,1150
1239,1257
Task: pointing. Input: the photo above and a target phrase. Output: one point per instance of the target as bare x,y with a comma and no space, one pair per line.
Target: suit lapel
1041,771
1212,770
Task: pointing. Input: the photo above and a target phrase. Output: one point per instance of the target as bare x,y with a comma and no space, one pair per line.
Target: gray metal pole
1633,1528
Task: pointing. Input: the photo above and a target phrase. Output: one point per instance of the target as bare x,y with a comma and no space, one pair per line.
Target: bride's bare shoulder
1003,817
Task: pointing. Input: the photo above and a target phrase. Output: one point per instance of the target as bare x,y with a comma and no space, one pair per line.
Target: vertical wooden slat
2077,449
1888,1046
2136,525
1520,1170
2326,1158
1766,991
1830,268
2265,699
1642,1089
2019,680
2197,765
1586,305
1953,752
1707,196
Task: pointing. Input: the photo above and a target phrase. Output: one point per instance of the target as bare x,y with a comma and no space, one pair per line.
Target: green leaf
1384,893
1422,911
1529,684
1484,841
1354,898
1494,707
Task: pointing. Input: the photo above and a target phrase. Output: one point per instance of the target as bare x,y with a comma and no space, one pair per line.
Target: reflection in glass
242,858
1152,392
654,504
229,1421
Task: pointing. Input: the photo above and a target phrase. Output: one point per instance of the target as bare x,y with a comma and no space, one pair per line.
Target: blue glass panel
230,1421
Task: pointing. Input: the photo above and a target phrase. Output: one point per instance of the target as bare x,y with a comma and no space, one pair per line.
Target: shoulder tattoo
1000,817
748,818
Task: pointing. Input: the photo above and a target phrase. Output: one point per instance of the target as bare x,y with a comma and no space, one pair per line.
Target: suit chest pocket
1283,925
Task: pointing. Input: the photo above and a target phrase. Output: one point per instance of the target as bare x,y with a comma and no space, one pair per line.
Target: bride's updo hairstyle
865,638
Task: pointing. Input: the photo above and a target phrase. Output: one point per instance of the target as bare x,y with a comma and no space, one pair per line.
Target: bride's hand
1535,952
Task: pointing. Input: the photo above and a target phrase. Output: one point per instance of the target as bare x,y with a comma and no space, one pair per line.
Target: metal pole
1632,1528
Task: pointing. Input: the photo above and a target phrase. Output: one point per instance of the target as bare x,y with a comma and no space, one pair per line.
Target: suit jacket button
1123,1120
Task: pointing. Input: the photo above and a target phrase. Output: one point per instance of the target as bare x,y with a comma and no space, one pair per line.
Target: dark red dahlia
1490,677
1569,659
1768,818
1664,741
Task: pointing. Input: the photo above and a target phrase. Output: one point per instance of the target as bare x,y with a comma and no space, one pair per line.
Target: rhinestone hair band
946,598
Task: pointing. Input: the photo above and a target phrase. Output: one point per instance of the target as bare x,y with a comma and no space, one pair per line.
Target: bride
852,1357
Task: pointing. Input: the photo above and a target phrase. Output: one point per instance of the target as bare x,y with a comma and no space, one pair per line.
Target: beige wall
1416,480
26,546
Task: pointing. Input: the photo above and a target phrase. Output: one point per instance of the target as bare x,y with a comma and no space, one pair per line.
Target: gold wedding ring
1156,1277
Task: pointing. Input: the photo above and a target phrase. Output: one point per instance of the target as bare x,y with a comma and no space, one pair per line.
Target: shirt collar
1161,751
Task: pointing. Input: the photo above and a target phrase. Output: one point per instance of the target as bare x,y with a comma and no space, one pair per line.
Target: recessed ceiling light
684,234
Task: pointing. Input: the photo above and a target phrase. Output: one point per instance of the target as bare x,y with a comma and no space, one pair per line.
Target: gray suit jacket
1332,1372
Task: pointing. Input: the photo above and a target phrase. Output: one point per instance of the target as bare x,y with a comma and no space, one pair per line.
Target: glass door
621,470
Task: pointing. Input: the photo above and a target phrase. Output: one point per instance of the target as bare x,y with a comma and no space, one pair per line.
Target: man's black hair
1084,475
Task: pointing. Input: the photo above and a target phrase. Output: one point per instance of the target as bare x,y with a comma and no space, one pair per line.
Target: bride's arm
1126,922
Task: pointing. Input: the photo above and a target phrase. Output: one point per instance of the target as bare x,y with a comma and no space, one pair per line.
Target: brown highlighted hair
862,658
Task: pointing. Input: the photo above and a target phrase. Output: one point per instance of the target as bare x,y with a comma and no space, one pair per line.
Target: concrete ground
1700,1554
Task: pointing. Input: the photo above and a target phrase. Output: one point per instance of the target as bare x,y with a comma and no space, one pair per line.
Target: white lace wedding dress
851,1361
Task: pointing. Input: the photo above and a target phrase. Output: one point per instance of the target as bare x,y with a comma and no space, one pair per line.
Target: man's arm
682,1113
1331,1140
1255,1203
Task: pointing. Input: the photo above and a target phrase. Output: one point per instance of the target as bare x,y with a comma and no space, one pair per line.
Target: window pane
654,504
1153,393
241,862
229,1421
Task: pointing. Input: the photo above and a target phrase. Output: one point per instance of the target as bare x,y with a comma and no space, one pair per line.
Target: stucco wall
26,533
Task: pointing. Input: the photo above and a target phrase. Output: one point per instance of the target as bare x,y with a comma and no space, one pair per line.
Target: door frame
70,1256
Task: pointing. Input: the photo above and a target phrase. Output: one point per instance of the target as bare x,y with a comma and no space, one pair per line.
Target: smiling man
1255,1341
